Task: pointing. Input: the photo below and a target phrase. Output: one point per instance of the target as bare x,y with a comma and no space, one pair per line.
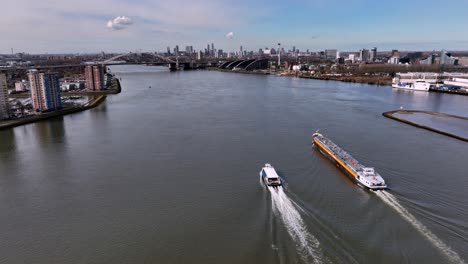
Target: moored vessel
269,176
419,85
366,176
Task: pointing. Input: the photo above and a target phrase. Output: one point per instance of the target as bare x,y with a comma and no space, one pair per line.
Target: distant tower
241,52
373,54
279,55
364,55
168,50
45,91
212,49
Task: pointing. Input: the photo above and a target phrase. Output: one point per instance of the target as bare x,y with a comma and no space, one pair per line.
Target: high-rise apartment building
94,74
45,91
4,106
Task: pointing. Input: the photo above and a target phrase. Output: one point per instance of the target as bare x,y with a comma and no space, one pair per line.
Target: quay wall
66,111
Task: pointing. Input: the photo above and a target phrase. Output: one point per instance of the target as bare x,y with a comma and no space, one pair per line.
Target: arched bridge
245,65
144,57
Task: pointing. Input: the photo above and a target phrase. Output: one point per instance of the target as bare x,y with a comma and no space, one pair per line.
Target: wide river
170,174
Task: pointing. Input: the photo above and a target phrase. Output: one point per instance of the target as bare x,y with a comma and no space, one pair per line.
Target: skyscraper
176,50
373,54
45,91
241,52
212,49
4,105
94,75
208,52
363,55
168,50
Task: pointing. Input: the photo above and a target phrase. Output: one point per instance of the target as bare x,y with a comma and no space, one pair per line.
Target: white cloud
119,22
230,35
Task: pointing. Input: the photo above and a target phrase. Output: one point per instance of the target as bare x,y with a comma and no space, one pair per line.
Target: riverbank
445,124
114,88
370,79
44,116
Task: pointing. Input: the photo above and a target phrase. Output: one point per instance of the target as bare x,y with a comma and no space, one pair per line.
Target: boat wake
308,245
445,249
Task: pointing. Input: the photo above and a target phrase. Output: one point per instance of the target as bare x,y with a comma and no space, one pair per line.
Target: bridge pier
173,66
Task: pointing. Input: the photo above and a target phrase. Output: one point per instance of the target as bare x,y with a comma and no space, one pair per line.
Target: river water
169,174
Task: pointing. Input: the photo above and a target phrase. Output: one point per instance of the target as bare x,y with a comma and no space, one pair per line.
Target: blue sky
81,26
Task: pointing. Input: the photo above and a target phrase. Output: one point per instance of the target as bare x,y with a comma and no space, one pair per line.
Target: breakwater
445,124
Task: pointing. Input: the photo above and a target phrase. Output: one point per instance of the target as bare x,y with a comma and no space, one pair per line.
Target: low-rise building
21,86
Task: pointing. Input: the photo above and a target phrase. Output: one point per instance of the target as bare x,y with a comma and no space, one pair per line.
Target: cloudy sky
84,26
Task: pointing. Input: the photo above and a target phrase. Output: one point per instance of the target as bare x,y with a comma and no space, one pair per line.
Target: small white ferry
269,176
419,85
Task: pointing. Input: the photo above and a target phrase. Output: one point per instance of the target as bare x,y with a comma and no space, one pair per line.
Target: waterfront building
330,54
45,91
199,55
429,60
176,50
463,61
168,50
447,59
94,74
4,105
394,60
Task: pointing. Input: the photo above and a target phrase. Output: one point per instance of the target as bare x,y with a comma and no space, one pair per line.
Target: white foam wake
393,202
308,245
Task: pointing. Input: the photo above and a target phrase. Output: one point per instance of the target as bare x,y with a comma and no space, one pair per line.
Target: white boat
419,85
269,176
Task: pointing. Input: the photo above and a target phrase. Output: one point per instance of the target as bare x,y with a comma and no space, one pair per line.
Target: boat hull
342,166
423,88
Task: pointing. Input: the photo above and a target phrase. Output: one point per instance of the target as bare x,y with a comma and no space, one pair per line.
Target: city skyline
116,26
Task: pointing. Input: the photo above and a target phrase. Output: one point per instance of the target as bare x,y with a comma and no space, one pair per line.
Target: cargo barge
365,176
